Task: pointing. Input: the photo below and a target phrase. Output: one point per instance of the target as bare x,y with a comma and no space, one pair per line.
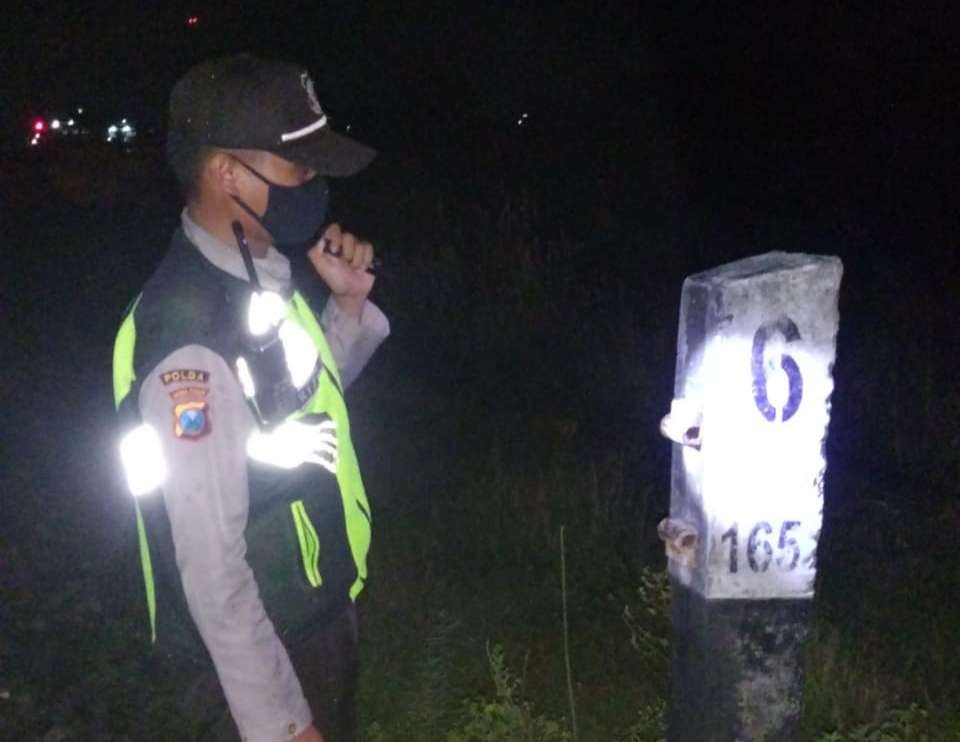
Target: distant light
34,141
70,122
55,124
123,131
79,110
193,20
39,125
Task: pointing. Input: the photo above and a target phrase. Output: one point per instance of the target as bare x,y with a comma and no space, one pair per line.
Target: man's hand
310,734
342,260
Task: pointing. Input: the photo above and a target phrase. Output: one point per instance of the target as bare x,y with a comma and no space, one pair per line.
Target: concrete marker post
754,376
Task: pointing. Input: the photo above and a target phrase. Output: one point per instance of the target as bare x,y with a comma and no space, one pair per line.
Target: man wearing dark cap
253,522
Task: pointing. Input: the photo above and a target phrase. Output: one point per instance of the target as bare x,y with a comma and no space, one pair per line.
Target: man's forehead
266,158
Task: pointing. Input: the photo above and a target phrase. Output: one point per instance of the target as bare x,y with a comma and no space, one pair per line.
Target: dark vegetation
534,324
532,280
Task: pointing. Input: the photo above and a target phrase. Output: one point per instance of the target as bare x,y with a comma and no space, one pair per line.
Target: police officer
252,517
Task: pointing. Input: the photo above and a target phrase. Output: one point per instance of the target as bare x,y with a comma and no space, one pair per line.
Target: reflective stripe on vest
309,543
329,399
123,380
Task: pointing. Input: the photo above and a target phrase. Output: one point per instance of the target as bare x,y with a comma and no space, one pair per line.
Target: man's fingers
343,245
327,426
363,256
348,246
326,440
358,254
317,253
325,459
343,261
334,234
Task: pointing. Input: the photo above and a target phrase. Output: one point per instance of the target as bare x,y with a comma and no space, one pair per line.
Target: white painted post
755,357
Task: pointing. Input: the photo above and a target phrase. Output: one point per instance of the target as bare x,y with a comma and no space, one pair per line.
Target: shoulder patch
184,375
189,391
191,420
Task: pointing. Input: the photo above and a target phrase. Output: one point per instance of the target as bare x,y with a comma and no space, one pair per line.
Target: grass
520,394
564,437
880,648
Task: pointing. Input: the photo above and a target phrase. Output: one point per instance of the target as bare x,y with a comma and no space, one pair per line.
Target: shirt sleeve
353,342
196,405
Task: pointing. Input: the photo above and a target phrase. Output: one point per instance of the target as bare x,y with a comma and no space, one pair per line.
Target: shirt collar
273,269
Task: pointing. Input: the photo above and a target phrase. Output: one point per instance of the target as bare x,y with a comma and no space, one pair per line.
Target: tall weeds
548,353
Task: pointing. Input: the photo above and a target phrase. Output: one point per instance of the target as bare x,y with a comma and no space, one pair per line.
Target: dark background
532,278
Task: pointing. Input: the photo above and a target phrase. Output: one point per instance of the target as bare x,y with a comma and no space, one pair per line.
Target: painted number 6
788,329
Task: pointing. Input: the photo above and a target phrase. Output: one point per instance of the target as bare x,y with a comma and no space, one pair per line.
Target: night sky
480,59
756,98
825,71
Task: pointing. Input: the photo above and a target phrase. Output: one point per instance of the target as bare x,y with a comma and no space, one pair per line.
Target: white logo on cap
307,84
311,93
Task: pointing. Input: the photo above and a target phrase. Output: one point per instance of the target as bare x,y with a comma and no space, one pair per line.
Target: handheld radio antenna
245,254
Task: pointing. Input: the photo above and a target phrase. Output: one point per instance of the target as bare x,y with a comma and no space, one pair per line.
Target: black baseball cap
242,102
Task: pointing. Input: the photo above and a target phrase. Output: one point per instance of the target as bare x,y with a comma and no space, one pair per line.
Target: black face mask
294,214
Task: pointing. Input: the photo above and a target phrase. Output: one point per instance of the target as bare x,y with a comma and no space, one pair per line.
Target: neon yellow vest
327,399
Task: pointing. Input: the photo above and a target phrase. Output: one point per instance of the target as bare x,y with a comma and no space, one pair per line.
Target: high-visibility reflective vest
308,531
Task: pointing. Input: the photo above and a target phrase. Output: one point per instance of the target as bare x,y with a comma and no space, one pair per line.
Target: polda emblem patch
191,420
179,375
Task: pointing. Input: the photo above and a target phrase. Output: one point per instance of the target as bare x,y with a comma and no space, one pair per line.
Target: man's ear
222,171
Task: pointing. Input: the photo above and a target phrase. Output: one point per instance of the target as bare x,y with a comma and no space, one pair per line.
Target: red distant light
193,20
39,126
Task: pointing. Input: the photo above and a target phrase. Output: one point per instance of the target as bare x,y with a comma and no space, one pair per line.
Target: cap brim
329,153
